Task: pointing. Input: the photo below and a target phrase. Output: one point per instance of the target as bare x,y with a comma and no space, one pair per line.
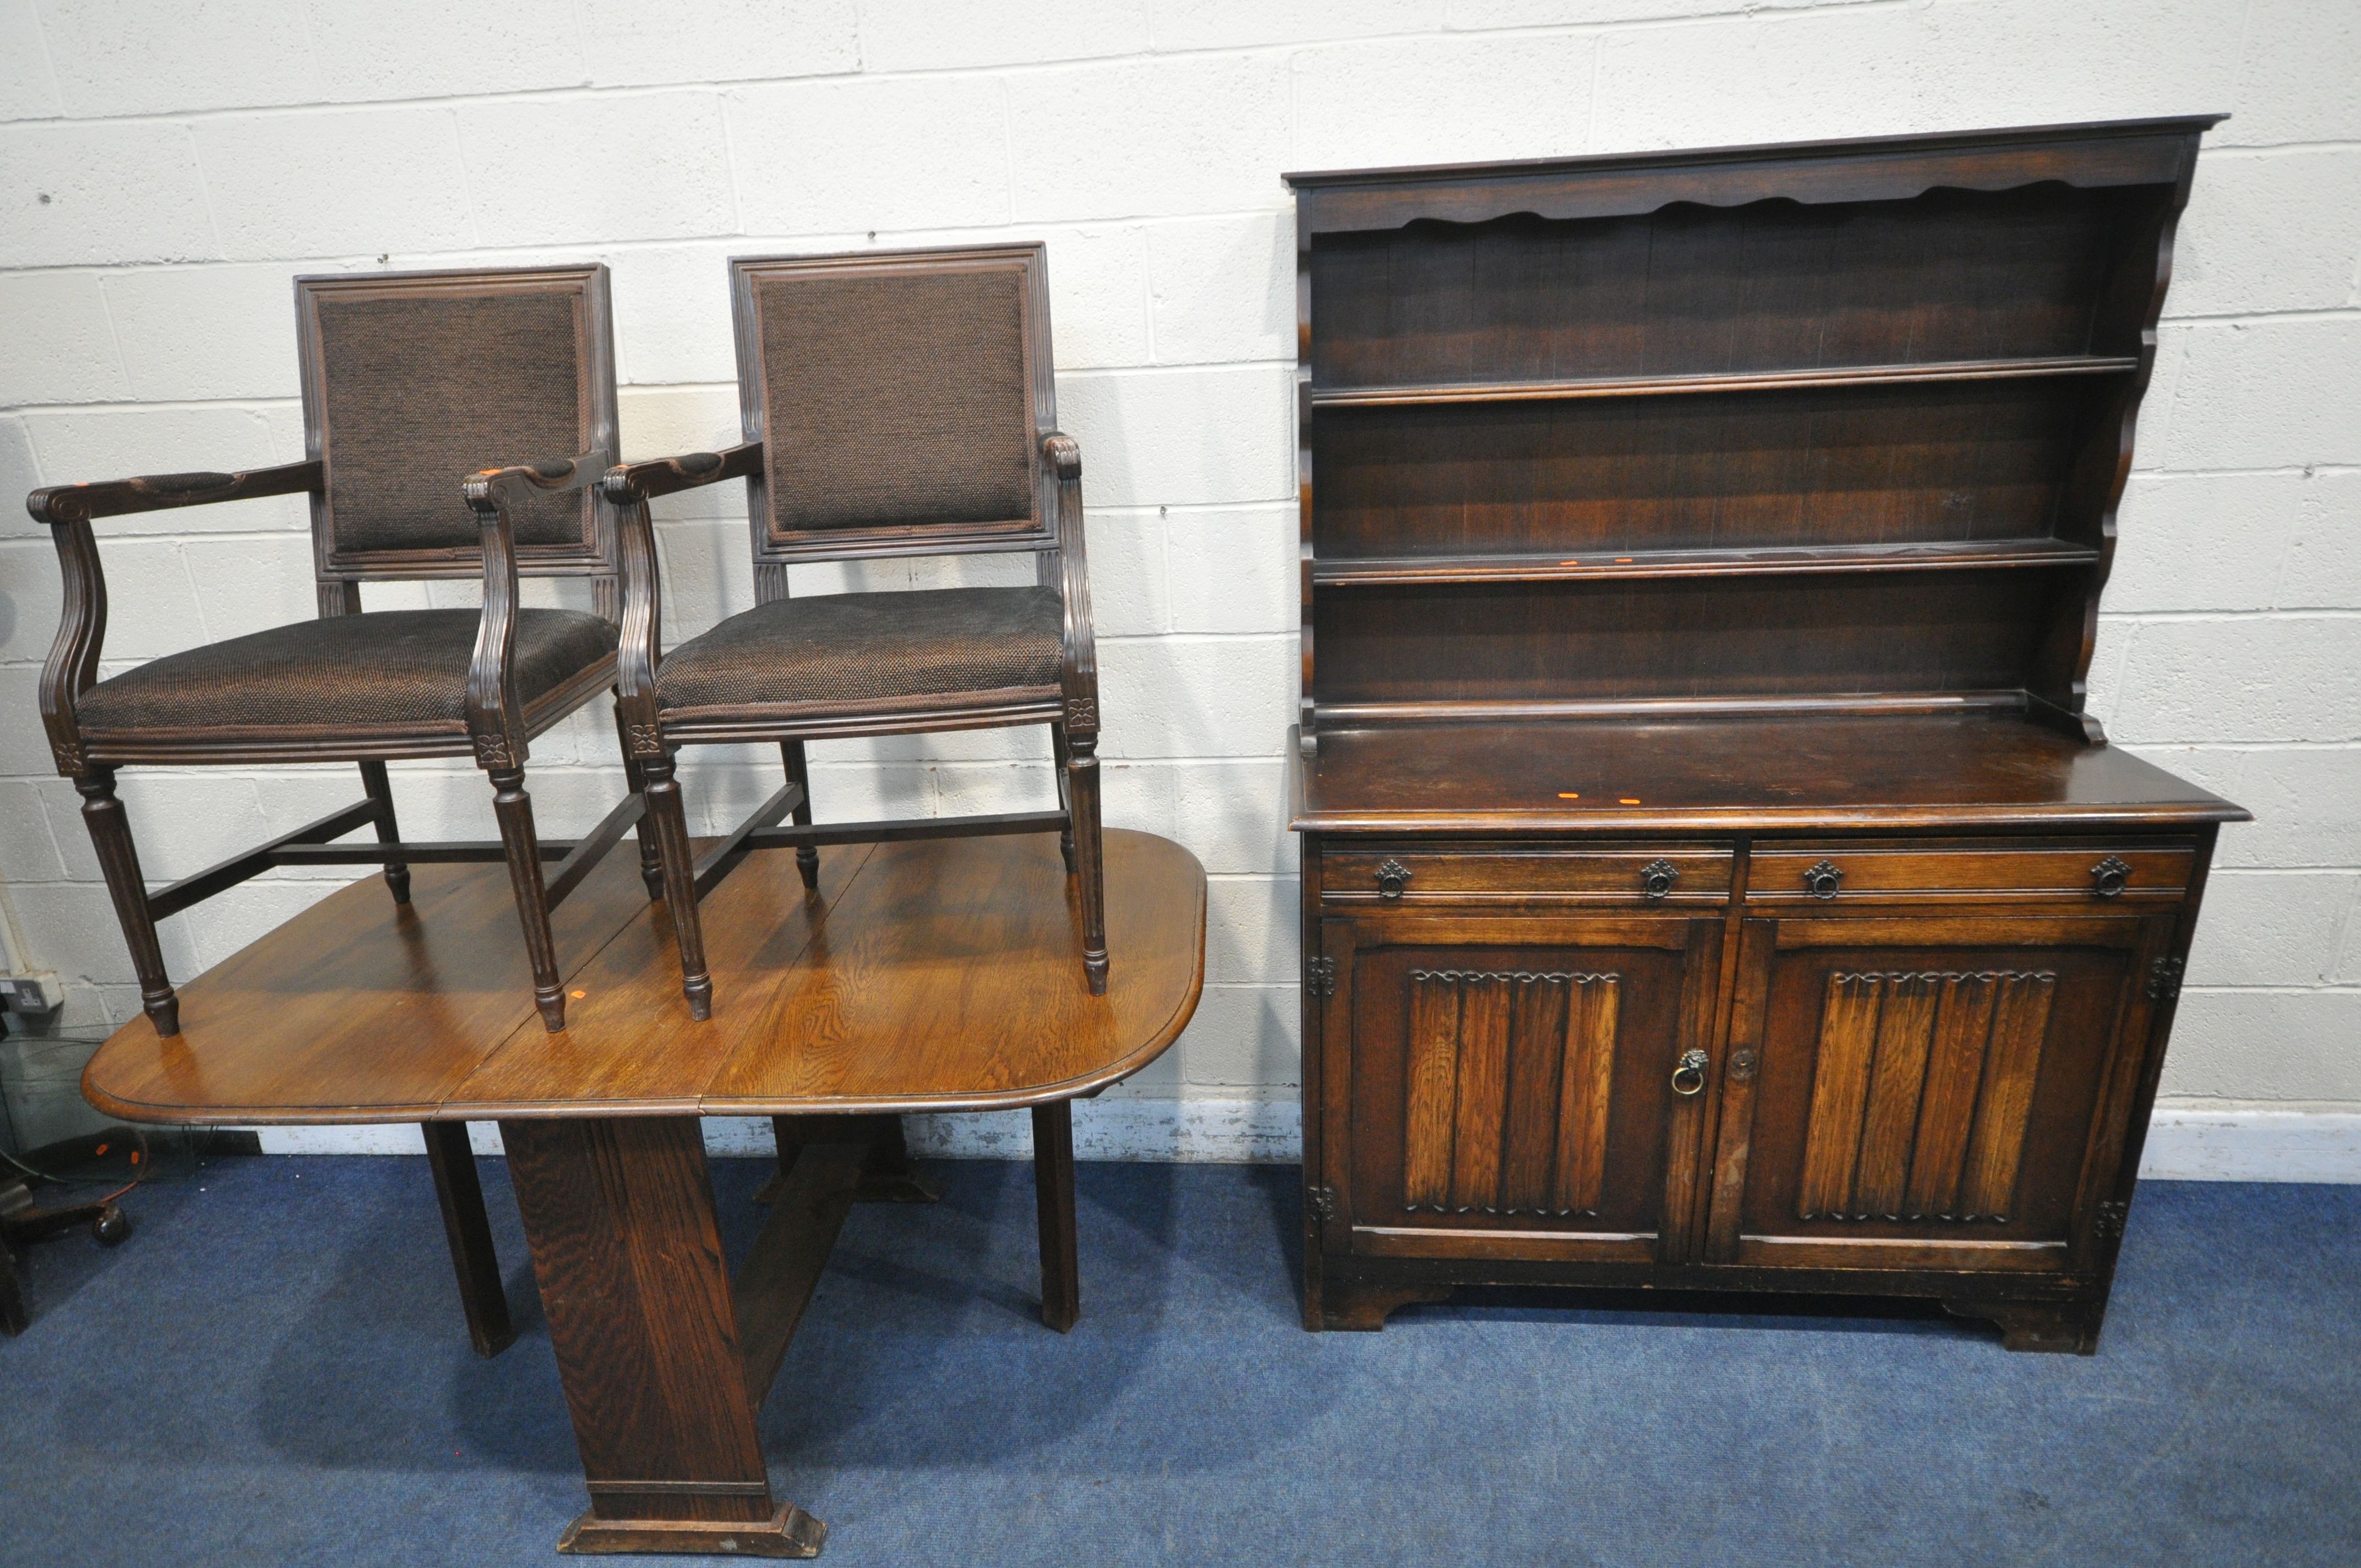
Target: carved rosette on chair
895,404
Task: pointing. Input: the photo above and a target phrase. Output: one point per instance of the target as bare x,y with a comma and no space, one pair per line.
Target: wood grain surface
920,976
1663,773
945,978
359,1009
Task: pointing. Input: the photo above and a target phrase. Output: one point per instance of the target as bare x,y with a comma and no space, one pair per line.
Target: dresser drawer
1640,876
2093,871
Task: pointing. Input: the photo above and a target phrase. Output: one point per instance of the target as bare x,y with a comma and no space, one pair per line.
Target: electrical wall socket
35,995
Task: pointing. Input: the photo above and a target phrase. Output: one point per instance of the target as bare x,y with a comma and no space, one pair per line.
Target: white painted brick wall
630,42
165,169
895,153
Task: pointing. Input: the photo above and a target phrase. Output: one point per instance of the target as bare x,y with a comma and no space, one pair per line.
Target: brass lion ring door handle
1688,1077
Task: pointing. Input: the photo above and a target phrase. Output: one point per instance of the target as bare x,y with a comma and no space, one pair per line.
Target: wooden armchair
409,382
894,404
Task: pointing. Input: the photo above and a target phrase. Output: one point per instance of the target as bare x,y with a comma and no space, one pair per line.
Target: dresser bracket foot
2056,1328
1364,1308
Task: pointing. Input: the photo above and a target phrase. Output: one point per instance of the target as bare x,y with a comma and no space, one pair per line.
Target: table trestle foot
790,1532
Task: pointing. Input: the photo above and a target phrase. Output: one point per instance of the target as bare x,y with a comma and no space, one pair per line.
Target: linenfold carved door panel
1917,1092
1473,1146
1510,1081
1922,1091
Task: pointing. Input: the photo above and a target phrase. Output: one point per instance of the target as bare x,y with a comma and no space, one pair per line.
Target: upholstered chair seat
848,651
394,670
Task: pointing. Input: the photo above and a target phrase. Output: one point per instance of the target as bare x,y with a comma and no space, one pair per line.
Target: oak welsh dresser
1711,878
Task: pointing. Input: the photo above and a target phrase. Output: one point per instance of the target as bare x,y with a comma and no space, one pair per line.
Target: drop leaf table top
922,976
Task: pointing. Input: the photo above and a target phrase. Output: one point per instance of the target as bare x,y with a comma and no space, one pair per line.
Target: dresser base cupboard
1823,1060
1712,880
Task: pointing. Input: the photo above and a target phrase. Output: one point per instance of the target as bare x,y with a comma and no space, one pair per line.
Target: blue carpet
273,1370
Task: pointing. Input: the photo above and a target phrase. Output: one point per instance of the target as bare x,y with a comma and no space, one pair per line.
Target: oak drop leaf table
920,976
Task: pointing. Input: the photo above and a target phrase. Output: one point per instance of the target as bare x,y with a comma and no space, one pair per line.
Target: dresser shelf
1733,561
1728,381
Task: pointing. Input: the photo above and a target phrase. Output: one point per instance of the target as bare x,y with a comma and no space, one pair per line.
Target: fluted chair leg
635,776
665,808
110,835
381,793
514,809
1063,755
1082,782
799,774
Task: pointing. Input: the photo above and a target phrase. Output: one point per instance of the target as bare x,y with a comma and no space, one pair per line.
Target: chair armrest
61,504
629,484
490,488
1063,455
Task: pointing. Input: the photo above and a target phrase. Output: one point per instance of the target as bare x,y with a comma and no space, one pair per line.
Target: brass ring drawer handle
1688,1077
2108,877
1656,878
1392,877
1821,881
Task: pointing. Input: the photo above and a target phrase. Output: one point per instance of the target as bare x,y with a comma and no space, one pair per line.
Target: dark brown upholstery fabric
389,667
851,649
896,399
423,391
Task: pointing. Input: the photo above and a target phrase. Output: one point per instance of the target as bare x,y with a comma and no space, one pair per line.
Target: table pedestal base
665,1359
790,1532
936,975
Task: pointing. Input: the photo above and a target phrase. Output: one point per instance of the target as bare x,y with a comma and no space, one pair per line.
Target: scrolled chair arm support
628,486
635,484
1062,454
496,725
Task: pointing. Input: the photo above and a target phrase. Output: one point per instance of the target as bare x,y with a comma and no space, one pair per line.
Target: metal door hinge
2164,979
1320,1202
1320,976
2108,1223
